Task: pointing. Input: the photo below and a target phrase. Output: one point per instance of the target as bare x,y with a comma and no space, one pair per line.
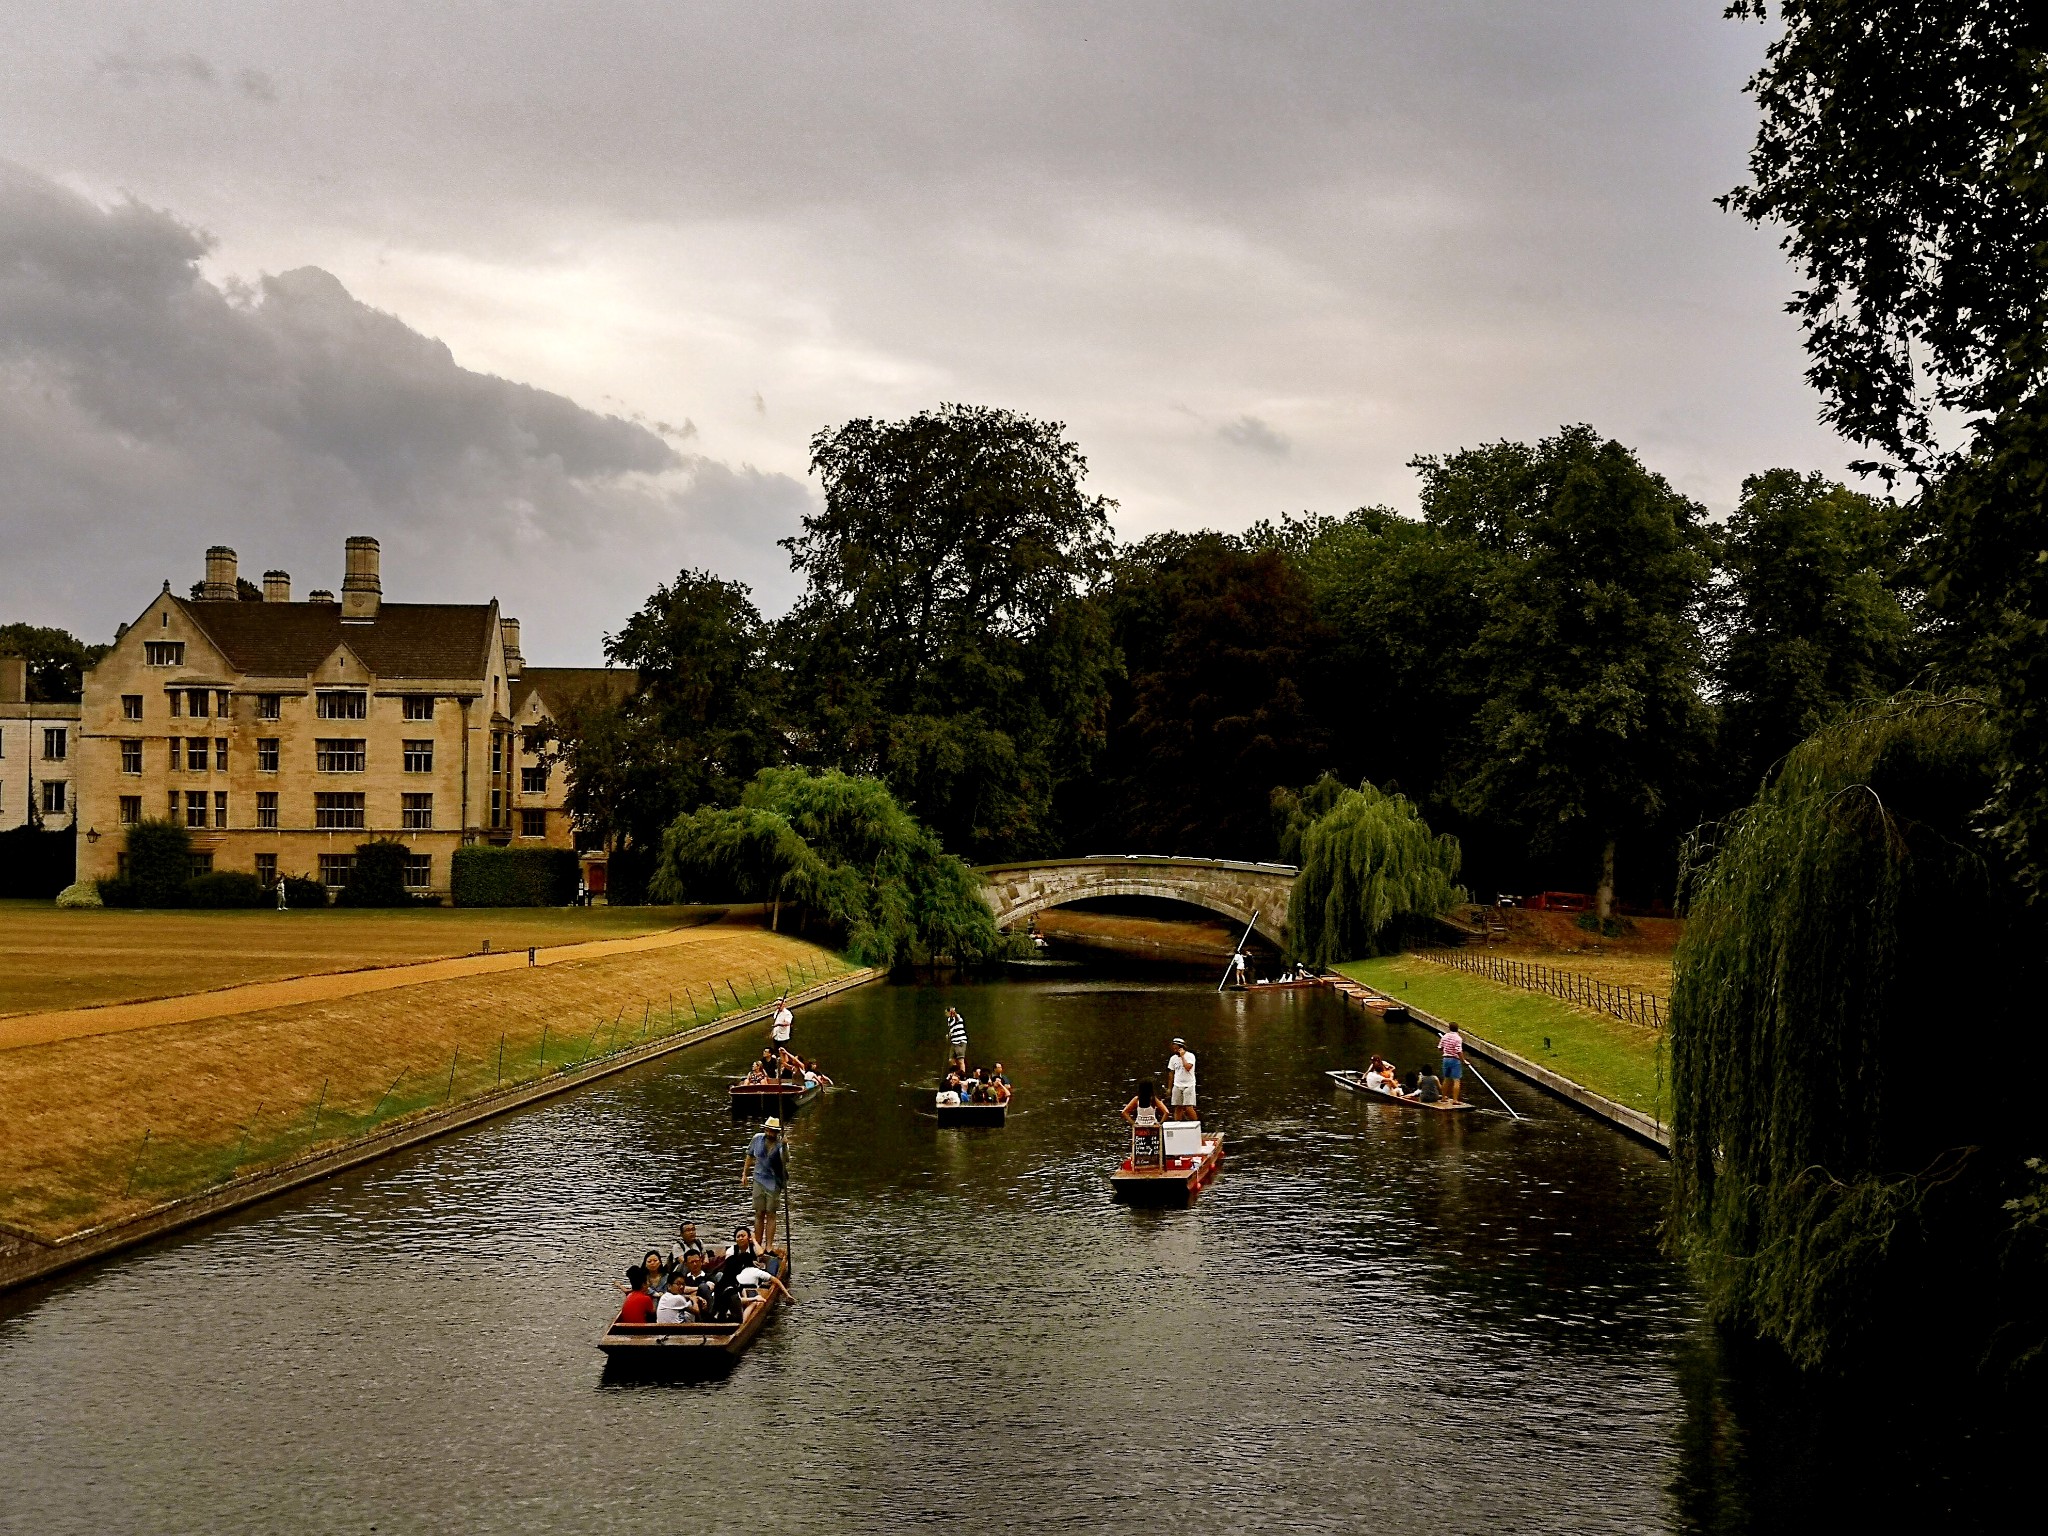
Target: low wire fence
1618,999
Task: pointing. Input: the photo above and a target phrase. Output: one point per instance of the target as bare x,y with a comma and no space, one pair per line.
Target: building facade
38,755
283,733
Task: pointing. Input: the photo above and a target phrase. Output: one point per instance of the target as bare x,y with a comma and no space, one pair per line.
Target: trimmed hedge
485,876
227,888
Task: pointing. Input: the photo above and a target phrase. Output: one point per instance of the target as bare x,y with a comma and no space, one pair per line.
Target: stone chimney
514,662
320,595
219,586
13,679
277,586
361,590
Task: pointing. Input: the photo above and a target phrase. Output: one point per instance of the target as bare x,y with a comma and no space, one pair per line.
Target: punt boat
692,1348
973,1114
1356,1082
1171,1181
759,1100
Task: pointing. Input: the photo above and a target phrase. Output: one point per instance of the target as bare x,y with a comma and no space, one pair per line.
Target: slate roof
558,685
424,640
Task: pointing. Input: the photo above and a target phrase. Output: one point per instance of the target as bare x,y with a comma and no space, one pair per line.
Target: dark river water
1375,1320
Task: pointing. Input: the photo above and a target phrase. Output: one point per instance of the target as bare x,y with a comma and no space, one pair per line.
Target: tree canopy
57,660
1372,874
844,855
946,640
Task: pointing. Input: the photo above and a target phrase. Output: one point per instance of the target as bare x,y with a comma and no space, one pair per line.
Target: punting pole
1232,961
1504,1104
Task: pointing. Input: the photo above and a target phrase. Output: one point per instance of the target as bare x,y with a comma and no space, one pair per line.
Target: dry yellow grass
71,959
1649,973
235,1093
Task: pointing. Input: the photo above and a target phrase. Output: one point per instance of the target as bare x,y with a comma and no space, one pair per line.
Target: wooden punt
759,1100
1286,986
1356,1082
1177,1183
973,1114
684,1348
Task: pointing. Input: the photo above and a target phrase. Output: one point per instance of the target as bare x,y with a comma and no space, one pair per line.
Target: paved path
22,1029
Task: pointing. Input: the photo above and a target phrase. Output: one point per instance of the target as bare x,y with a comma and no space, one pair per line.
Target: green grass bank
1622,1061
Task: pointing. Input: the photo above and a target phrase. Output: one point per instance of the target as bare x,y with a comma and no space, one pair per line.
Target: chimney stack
361,590
277,586
219,586
14,680
514,662
319,595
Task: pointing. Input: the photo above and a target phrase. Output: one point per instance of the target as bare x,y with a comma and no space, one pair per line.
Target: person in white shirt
676,1307
1181,1067
784,1022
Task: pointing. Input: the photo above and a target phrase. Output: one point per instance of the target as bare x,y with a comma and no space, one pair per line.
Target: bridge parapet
1246,893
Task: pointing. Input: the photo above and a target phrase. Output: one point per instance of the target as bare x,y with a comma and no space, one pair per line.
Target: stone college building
282,733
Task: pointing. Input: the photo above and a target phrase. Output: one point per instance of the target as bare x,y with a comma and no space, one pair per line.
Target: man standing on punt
1180,1067
1452,1047
768,1166
956,1039
785,1021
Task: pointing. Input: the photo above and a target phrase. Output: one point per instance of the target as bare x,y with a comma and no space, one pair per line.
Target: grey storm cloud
146,411
1251,433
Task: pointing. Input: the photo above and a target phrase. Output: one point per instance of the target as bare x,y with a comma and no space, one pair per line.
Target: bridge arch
1253,894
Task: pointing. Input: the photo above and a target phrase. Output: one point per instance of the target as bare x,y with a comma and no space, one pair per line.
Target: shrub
303,893
83,893
227,888
377,878
159,863
117,893
485,876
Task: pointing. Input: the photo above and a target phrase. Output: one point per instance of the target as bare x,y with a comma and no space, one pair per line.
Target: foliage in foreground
1831,1171
1371,873
841,852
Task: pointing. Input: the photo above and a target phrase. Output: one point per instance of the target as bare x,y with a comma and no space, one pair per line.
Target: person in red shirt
639,1307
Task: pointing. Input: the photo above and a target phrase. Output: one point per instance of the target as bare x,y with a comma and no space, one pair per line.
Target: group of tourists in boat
691,1284
779,1064
1447,1085
974,1085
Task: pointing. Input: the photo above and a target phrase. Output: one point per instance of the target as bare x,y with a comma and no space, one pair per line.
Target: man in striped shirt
956,1038
1451,1045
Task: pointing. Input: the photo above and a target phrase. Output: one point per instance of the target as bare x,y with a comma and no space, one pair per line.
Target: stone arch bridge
1255,894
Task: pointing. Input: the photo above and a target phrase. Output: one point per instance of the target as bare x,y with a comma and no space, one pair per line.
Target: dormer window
343,704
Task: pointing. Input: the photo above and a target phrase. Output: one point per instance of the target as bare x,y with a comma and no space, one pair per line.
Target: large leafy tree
1903,148
695,731
946,639
57,660
1811,618
1372,873
841,853
1222,655
1592,722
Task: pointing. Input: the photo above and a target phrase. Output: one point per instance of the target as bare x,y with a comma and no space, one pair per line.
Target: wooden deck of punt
681,1347
1171,1185
772,1098
1356,1082
973,1114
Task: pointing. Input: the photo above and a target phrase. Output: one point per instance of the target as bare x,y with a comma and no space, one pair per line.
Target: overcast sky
551,298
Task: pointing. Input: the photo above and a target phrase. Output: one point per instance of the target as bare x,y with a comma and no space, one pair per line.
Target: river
1375,1320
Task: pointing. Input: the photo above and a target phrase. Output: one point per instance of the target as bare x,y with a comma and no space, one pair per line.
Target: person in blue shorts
1452,1049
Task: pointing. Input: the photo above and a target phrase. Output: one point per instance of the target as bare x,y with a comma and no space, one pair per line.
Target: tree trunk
1603,894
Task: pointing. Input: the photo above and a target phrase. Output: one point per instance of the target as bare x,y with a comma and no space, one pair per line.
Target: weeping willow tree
839,852
1845,1125
1371,873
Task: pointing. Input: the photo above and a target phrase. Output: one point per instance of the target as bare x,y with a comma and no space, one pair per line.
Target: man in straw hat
767,1165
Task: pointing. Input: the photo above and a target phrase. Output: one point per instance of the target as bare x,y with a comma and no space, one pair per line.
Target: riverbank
102,1128
1617,1060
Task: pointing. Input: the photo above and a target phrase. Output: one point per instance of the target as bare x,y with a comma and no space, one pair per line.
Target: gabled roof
558,685
404,640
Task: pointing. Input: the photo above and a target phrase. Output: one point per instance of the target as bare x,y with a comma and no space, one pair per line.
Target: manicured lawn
105,1125
1617,1059
70,959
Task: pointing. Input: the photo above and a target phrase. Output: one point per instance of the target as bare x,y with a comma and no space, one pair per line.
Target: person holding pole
956,1040
1181,1068
767,1166
1452,1047
785,1021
